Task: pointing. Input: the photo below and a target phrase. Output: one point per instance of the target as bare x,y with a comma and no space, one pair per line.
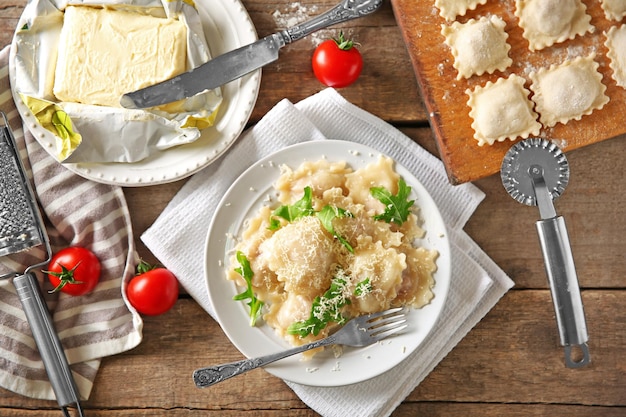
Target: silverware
22,227
358,332
239,62
534,172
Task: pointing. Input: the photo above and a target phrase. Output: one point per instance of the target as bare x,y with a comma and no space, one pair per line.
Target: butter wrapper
89,133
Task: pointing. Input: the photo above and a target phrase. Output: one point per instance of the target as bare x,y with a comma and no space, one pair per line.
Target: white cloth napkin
177,237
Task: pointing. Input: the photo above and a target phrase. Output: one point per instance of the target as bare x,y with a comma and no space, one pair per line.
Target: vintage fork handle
205,377
344,11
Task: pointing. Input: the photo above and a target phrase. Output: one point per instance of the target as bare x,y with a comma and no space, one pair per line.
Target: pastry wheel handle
559,264
568,306
47,341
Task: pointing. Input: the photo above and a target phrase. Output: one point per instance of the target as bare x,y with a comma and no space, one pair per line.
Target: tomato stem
144,267
343,43
66,276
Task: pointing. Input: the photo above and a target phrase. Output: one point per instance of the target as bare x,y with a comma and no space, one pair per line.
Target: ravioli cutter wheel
534,172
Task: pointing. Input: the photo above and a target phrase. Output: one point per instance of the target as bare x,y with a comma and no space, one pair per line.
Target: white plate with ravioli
227,26
254,189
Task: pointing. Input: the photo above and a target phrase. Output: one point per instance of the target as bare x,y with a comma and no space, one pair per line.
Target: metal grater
17,226
534,172
22,227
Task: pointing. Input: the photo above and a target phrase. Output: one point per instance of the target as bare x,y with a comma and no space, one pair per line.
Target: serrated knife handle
344,11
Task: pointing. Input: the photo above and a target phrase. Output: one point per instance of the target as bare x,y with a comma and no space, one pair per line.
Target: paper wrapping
89,133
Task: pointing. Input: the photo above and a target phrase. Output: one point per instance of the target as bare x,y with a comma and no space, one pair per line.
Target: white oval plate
227,26
242,201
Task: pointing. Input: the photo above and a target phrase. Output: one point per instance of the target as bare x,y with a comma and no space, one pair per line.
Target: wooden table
510,364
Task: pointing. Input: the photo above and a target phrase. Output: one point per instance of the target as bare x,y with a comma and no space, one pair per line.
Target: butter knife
239,62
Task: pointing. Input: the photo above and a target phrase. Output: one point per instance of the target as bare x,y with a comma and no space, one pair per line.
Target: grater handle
47,340
564,287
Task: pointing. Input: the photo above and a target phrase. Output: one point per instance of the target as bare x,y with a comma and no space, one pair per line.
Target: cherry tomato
153,291
337,63
74,270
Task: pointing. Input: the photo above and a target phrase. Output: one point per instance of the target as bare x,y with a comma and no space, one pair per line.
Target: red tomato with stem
153,291
74,270
337,63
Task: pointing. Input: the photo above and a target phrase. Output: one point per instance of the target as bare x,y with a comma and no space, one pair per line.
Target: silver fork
360,331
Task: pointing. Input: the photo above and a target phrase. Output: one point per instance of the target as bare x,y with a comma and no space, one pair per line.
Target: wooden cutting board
446,100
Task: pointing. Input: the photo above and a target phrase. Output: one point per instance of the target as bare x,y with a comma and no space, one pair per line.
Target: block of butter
104,53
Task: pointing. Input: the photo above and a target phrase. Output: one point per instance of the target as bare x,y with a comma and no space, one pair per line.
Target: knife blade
212,74
239,62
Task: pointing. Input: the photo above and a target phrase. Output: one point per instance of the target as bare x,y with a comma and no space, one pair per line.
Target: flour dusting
295,13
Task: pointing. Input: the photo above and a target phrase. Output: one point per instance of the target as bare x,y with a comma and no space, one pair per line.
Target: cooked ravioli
319,175
301,254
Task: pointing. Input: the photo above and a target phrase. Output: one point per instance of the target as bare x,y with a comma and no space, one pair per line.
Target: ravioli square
478,46
105,53
502,110
568,91
616,43
546,22
450,9
614,9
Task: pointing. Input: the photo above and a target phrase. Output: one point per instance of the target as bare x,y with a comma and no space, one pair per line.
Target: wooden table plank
518,363
509,410
514,355
404,410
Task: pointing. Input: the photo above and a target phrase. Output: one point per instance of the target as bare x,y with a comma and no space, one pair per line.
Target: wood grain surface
510,364
446,99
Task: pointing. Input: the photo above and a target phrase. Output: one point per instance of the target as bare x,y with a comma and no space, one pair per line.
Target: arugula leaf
363,288
397,207
327,215
301,208
246,272
325,309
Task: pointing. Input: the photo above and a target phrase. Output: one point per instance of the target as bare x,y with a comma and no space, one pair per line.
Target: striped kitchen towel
77,212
